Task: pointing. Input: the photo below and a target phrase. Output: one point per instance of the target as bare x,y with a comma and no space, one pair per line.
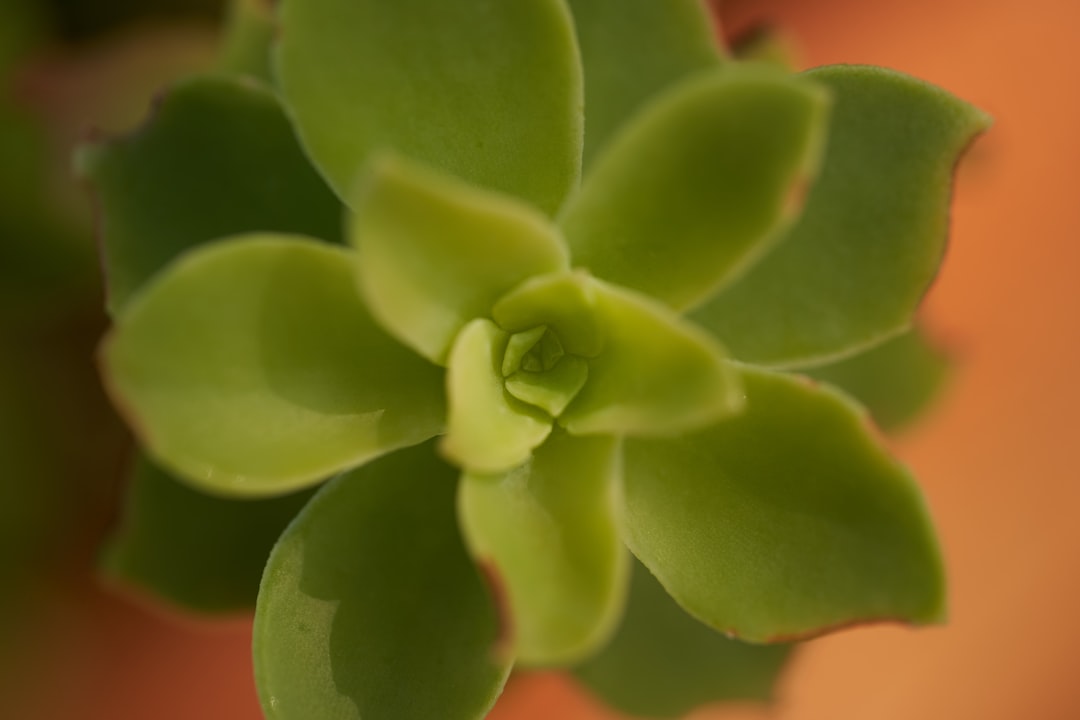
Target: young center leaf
853,269
371,608
548,528
656,374
487,90
784,521
487,429
251,367
217,157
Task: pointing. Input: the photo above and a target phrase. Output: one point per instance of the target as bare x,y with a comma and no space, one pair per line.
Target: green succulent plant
528,282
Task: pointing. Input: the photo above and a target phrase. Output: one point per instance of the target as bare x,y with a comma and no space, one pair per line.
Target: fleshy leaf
200,552
371,608
895,380
656,375
564,302
785,521
548,529
485,89
487,430
699,185
251,367
632,50
217,158
550,390
664,663
853,269
436,253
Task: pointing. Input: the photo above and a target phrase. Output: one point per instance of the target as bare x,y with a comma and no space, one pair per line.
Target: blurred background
994,454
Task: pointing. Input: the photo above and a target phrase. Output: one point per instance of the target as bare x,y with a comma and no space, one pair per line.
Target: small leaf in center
519,345
550,389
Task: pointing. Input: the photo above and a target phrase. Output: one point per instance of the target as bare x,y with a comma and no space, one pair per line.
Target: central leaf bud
539,372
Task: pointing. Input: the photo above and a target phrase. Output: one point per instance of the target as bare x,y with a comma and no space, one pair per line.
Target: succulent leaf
488,430
549,530
853,269
487,90
371,608
435,253
565,303
656,375
699,184
192,550
663,663
550,390
785,521
895,380
218,157
247,368
631,51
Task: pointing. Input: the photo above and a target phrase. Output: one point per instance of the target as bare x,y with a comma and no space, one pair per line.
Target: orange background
995,456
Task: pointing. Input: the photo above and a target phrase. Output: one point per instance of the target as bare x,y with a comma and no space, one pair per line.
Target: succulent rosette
526,281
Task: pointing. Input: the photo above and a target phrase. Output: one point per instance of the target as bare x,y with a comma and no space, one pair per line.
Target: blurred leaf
487,430
371,608
855,266
251,367
199,552
664,663
895,380
699,184
785,521
766,44
656,374
250,31
548,529
632,50
218,158
435,253
485,89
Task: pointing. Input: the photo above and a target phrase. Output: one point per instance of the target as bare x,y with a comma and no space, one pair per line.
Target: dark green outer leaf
200,552
784,521
217,158
488,90
632,50
853,269
895,380
664,663
370,607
